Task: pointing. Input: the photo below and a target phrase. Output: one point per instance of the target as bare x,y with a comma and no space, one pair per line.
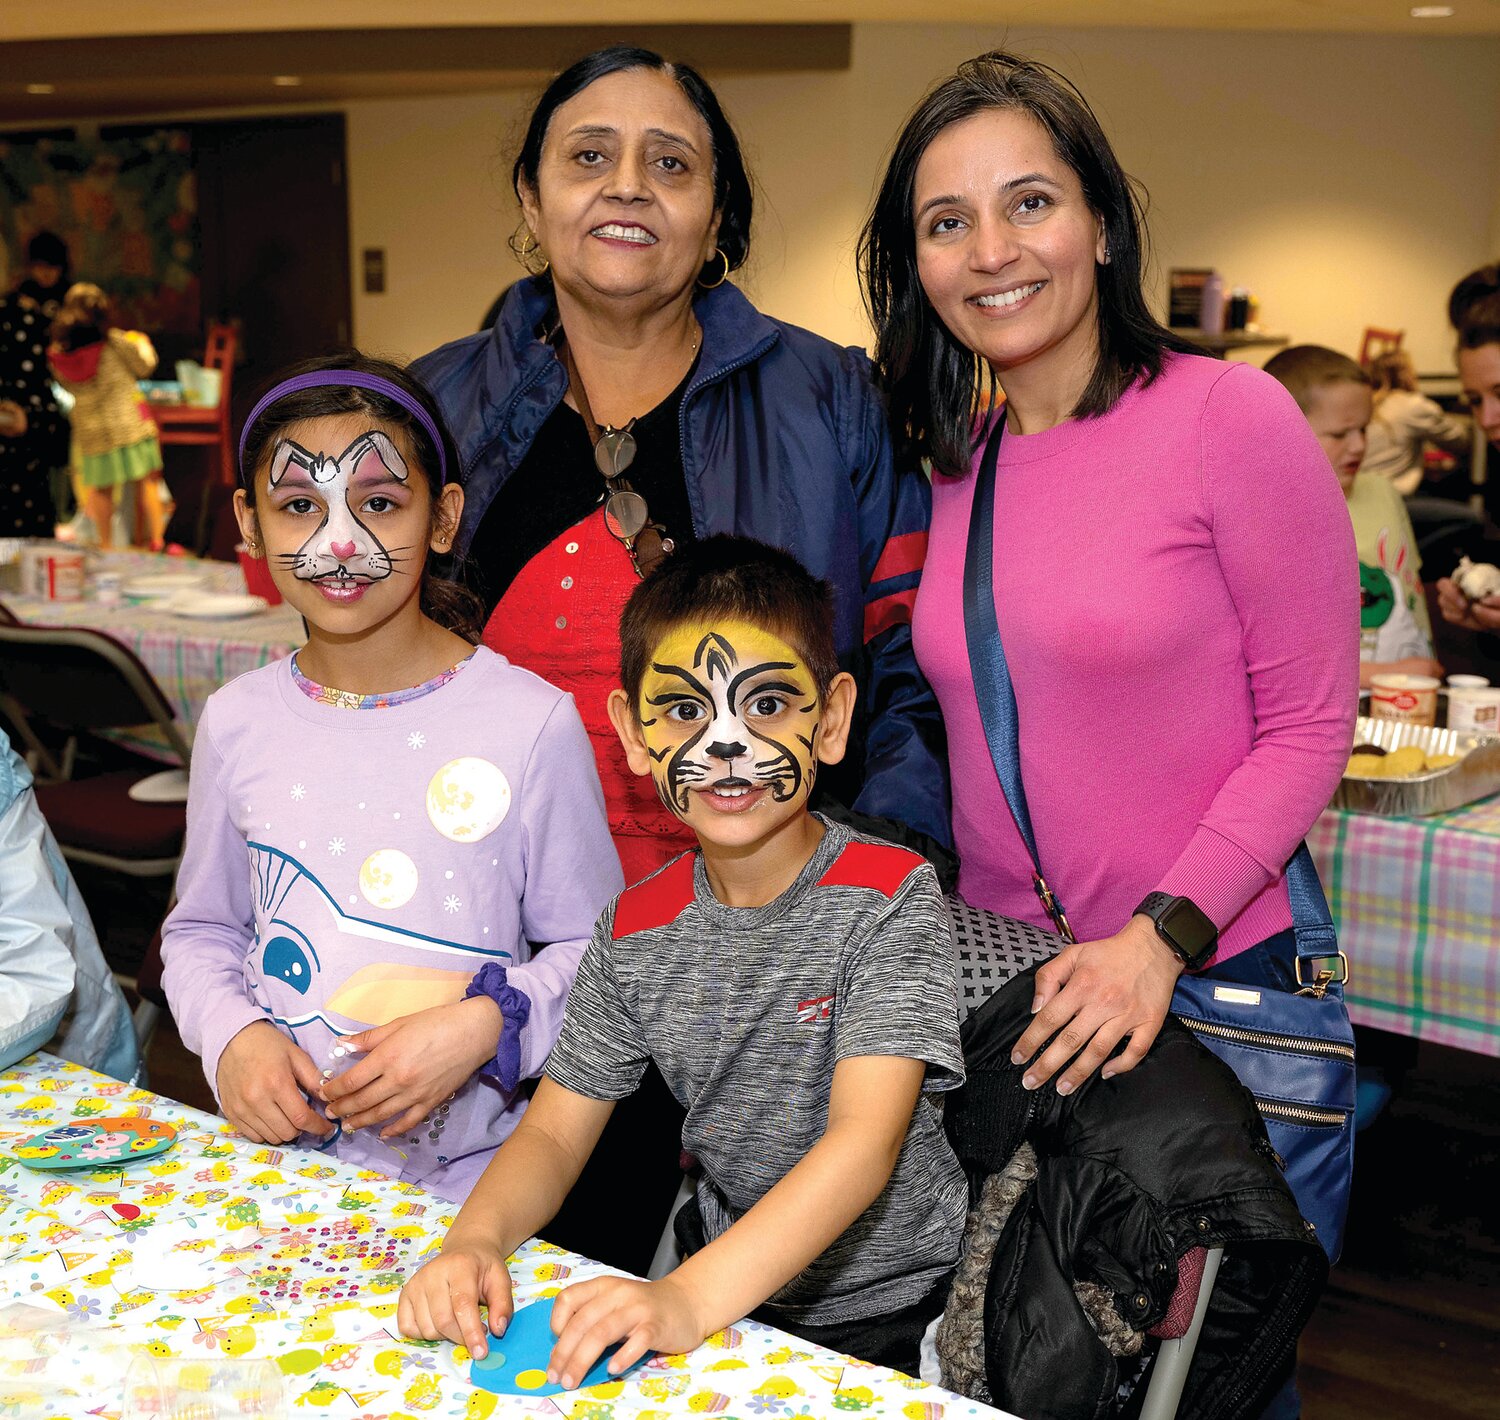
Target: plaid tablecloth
1417,904
220,1250
190,659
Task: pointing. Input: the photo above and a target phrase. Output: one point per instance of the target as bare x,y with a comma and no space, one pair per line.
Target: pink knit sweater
1178,598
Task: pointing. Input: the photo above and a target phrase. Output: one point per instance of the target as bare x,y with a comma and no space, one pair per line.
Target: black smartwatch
1183,926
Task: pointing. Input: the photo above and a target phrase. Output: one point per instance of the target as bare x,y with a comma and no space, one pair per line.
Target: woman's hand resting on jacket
1092,995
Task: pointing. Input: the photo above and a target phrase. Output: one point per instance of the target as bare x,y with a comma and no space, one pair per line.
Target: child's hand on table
412,1065
442,1299
264,1082
642,1316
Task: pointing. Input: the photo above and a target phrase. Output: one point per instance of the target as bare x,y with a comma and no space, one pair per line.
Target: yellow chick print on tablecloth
424,1393
481,1405
659,1387
859,1397
707,1402
922,1410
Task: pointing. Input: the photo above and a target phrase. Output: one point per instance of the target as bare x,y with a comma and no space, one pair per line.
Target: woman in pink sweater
1174,568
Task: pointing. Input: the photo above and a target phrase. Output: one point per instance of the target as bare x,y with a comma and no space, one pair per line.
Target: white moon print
388,878
467,799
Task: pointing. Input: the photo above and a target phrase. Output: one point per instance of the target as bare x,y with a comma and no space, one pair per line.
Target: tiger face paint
730,717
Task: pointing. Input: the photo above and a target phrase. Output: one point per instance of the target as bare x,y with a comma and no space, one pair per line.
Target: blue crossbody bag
1293,1050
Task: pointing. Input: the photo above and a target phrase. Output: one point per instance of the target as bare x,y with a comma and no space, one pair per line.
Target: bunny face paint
343,505
730,715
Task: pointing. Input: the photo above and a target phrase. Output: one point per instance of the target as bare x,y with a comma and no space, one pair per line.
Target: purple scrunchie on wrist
515,1011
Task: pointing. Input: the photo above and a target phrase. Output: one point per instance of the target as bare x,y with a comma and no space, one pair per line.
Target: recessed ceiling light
1432,12
286,81
41,88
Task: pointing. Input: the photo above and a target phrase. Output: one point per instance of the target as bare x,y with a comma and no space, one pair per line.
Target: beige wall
1347,180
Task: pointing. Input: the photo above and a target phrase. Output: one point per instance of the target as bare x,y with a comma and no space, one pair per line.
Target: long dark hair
734,195
442,600
934,385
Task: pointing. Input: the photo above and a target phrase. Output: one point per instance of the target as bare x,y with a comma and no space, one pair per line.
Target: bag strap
1320,965
992,684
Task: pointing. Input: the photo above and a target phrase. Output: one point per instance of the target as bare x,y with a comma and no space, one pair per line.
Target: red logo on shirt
818,1009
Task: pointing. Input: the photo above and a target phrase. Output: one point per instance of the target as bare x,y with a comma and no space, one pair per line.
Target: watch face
1188,926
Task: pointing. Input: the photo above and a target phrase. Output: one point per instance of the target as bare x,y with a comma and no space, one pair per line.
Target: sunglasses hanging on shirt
625,512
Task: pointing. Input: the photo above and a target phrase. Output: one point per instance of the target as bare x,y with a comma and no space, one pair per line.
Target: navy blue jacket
784,439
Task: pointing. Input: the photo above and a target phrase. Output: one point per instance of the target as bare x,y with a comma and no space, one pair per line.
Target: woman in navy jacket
637,206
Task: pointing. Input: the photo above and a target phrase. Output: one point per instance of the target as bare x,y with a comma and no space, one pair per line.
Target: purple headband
376,384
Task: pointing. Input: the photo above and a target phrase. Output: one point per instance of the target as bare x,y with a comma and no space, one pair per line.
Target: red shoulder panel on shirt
662,898
881,866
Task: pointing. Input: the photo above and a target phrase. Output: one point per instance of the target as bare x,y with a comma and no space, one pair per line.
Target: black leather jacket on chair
1132,1173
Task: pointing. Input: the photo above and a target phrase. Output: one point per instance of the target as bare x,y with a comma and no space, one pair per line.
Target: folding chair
81,681
1169,1372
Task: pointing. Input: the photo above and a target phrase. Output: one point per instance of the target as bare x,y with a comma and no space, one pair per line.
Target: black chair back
80,680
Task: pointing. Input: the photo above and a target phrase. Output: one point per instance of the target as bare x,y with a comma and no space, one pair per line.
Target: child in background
1405,422
1334,393
396,843
114,438
793,981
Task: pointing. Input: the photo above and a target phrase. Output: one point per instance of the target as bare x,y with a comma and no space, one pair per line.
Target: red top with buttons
560,618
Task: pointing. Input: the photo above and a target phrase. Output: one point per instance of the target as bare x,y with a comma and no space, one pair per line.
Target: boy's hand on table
442,1299
12,419
642,1316
1089,997
413,1065
264,1081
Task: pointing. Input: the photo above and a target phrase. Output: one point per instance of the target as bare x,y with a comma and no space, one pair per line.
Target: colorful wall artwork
128,210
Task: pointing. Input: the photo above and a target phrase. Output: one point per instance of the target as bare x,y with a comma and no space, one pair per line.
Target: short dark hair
1474,308
48,249
734,196
933,383
444,600
1305,369
730,578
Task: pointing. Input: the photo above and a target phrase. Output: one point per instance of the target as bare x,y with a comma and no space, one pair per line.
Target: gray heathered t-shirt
746,1011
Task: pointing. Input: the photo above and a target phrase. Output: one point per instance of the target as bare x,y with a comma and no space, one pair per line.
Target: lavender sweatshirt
1177,594
346,867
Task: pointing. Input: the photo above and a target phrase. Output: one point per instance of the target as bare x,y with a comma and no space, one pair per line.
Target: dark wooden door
274,215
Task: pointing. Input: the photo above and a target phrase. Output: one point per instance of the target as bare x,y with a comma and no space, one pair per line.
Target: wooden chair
205,425
1378,342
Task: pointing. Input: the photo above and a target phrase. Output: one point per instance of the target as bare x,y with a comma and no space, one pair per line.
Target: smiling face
345,519
730,718
624,199
1480,372
1007,248
1338,413
730,726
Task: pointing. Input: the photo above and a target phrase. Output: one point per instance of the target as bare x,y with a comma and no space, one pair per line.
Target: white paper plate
161,585
215,606
168,787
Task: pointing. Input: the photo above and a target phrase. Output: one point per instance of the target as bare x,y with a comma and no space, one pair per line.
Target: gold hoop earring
711,285
525,249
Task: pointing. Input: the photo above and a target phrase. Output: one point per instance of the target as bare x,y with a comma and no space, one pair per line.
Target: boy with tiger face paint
731,713
793,981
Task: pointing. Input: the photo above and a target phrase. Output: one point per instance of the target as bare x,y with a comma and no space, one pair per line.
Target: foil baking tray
1476,776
